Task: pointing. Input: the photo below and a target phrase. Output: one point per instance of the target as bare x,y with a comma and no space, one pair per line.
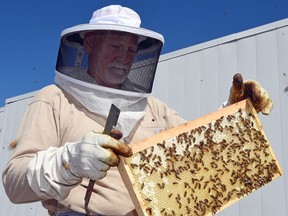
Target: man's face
110,57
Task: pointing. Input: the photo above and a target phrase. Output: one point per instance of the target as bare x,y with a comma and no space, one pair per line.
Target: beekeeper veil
72,68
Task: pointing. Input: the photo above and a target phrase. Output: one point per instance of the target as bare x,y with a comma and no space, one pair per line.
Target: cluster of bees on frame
199,171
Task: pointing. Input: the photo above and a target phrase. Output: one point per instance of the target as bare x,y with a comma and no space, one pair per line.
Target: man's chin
117,81
118,76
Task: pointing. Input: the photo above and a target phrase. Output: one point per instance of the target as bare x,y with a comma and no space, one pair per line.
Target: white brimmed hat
115,18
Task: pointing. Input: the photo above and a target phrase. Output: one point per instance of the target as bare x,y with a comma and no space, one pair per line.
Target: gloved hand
251,89
53,172
93,155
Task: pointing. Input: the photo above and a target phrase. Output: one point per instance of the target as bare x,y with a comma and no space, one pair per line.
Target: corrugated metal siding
1,121
10,119
195,81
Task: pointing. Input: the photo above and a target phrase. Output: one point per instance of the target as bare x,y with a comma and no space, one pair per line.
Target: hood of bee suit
72,65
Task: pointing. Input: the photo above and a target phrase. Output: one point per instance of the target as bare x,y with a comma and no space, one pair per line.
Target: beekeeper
110,60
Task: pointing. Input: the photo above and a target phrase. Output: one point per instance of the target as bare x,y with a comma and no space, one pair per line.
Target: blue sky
30,30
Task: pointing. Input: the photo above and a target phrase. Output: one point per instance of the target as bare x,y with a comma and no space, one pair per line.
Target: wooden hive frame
202,166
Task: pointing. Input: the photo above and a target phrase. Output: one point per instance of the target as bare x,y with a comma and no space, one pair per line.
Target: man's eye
132,50
115,46
129,49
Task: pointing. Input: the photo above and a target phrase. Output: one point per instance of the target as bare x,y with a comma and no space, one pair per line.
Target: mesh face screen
143,71
202,170
72,58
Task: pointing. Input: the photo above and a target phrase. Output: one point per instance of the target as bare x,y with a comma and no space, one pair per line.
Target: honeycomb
203,169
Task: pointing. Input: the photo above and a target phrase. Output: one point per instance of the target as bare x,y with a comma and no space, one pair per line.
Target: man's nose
125,56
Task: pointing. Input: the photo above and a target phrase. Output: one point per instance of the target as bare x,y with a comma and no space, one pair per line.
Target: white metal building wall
1,120
195,81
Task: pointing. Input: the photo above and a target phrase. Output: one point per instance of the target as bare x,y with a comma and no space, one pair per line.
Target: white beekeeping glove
92,157
54,172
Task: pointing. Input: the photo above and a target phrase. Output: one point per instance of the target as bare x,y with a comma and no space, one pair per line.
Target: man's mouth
119,70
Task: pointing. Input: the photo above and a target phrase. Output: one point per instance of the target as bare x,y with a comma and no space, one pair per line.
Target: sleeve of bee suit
45,128
38,132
